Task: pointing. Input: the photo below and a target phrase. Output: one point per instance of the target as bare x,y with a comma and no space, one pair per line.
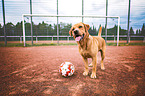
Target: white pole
20,39
128,33
31,22
82,10
118,31
57,25
68,39
52,40
23,30
106,21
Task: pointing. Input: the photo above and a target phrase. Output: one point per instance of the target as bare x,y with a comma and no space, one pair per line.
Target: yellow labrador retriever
89,46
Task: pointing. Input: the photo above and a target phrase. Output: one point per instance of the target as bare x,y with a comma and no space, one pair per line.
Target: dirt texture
34,71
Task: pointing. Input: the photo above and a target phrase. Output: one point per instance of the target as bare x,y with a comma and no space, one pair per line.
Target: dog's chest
85,53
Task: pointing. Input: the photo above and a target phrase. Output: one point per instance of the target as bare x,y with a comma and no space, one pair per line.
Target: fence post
23,31
20,39
144,39
68,39
57,25
3,8
52,40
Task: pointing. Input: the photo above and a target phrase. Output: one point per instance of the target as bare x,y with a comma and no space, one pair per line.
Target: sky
15,8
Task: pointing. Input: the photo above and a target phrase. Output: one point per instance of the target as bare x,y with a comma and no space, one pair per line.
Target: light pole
106,21
128,33
31,22
4,23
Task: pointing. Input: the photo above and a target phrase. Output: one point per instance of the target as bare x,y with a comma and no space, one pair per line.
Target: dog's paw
103,68
85,73
93,76
91,65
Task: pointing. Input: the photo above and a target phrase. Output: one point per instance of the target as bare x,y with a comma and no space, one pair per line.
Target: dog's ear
70,32
87,27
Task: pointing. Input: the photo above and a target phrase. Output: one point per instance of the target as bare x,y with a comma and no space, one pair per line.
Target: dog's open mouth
79,37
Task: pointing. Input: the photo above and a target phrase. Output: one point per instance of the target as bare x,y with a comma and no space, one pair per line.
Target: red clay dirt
34,71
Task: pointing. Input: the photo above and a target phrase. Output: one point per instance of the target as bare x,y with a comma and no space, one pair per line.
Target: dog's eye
73,29
80,26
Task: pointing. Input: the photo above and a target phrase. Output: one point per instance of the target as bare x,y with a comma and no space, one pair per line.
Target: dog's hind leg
91,64
102,59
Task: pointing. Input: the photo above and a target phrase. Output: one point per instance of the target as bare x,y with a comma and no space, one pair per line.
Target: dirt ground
34,71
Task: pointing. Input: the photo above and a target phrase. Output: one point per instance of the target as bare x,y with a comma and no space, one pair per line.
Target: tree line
45,29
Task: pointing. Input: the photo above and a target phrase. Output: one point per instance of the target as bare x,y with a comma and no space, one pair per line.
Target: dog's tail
100,30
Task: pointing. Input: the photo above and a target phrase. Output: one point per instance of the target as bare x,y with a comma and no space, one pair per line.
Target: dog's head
79,31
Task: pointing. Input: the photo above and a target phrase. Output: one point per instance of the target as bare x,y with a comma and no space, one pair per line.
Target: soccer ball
66,69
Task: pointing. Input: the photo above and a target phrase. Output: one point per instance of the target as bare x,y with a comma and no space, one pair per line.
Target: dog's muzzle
78,37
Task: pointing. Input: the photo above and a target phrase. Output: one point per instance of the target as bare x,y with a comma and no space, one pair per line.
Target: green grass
12,45
36,44
111,44
64,44
132,44
51,44
125,44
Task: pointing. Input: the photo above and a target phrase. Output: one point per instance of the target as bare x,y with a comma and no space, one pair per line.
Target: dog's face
79,30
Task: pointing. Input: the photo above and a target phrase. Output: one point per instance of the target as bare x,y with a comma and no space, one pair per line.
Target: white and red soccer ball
66,69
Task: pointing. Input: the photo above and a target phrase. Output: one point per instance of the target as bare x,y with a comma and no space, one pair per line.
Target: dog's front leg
94,62
86,67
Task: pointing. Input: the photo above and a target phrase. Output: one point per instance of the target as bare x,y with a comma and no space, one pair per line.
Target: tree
55,29
143,30
42,28
112,31
103,31
137,32
27,29
65,29
123,32
10,29
131,31
93,30
35,29
18,29
0,26
50,29
1,30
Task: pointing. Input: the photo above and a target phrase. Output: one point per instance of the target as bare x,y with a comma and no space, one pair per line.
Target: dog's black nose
76,31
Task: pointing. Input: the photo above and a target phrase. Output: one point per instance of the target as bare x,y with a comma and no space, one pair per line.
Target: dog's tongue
78,38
